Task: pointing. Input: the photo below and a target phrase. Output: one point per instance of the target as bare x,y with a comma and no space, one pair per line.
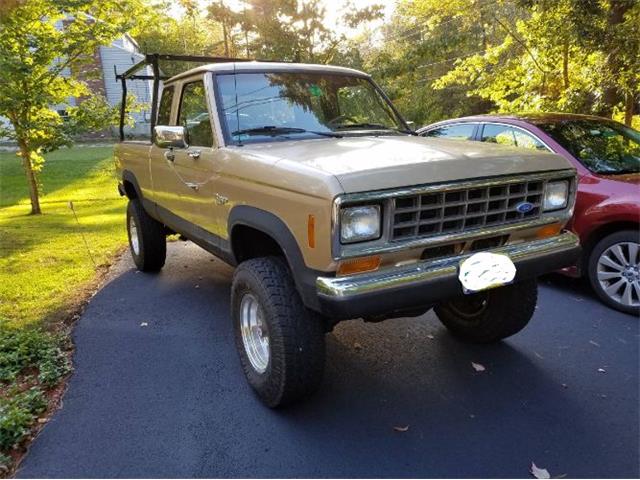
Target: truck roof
258,66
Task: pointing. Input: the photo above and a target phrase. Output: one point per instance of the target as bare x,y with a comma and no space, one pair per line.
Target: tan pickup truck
307,179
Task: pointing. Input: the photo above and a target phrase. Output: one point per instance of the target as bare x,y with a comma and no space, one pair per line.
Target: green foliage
31,351
190,34
18,411
290,30
460,57
40,40
545,58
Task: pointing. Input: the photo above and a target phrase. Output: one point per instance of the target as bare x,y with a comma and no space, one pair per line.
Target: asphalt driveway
158,392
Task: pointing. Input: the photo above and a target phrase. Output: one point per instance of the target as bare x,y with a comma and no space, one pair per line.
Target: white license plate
484,270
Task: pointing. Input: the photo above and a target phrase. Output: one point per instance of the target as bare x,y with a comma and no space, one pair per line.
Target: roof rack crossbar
153,60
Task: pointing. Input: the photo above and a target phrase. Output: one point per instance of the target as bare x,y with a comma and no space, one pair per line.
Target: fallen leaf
197,286
357,346
478,367
564,385
144,324
430,337
602,370
401,429
594,343
43,420
539,472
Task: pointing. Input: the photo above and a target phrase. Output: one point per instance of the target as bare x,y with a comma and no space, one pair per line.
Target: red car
607,213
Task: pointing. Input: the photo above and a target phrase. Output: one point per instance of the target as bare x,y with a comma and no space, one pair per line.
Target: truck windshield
262,107
602,146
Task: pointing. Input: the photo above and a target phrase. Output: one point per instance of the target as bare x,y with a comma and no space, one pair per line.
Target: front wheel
280,342
490,316
614,270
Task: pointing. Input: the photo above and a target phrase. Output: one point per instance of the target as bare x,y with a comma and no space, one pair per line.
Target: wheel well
248,242
130,190
601,232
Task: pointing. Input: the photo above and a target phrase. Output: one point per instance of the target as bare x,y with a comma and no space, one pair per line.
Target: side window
164,110
500,134
524,140
462,131
194,115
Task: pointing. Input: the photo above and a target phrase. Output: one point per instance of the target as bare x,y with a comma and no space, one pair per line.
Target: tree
564,55
40,40
289,30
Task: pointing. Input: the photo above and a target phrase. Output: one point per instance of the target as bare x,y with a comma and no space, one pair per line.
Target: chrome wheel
618,273
133,236
253,329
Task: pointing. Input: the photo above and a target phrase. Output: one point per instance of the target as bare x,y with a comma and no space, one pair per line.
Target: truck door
194,168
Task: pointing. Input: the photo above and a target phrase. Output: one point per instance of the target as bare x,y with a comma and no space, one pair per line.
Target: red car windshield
602,146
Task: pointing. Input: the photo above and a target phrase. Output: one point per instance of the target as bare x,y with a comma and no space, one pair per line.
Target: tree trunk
611,96
629,103
31,178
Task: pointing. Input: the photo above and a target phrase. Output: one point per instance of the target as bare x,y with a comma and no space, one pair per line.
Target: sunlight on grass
43,259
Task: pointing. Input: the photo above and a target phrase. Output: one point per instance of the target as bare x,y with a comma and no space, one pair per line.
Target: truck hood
377,163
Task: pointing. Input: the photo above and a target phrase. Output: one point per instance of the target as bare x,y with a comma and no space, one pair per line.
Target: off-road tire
296,335
504,312
623,236
152,241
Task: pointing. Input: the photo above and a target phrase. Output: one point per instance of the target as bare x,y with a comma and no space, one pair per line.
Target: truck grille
461,210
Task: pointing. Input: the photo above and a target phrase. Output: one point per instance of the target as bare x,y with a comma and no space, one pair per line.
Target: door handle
169,155
194,154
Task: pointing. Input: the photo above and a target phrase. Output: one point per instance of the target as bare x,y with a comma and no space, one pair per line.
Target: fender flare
128,176
270,224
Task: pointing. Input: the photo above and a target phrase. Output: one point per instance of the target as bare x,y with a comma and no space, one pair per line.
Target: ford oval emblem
524,207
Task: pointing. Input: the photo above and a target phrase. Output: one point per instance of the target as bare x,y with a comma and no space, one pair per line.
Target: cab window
455,132
164,111
194,115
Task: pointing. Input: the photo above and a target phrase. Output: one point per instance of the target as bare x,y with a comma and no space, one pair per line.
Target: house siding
122,59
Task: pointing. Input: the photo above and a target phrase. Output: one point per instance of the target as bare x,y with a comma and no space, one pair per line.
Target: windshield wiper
272,130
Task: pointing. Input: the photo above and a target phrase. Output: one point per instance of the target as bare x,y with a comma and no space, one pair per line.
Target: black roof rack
153,59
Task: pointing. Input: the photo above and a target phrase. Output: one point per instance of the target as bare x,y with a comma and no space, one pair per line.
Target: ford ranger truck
308,181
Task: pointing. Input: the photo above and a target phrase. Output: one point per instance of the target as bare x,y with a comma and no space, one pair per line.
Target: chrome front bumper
427,282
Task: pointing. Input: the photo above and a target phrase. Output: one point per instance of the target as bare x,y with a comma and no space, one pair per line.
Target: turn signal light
359,265
549,230
311,231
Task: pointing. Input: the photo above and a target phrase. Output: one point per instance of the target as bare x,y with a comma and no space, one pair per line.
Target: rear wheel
147,239
486,317
280,342
614,270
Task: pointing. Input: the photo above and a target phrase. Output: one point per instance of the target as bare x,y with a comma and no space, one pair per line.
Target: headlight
358,224
556,195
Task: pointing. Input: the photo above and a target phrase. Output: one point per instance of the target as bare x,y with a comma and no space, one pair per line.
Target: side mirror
170,136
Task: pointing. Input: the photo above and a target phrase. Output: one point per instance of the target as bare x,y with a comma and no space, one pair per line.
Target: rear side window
456,132
500,134
194,115
164,111
505,135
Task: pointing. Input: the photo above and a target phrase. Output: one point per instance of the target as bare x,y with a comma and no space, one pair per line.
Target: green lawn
46,270
44,262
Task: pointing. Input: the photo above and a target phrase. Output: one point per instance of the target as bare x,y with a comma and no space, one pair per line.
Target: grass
46,270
